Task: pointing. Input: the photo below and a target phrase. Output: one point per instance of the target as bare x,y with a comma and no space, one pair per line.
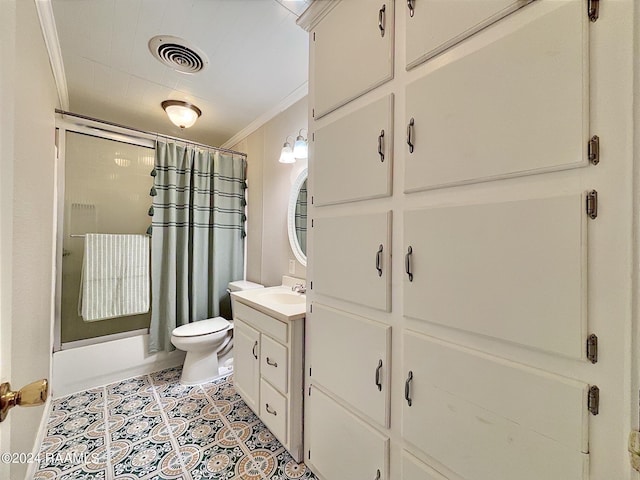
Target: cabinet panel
352,258
272,327
513,105
414,469
351,55
246,355
273,411
274,363
351,373
515,270
353,156
490,419
435,25
341,445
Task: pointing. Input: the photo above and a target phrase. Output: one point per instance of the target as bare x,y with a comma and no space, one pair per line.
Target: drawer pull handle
271,362
255,345
411,7
410,138
379,260
381,19
407,263
269,410
407,388
378,380
381,145
377,475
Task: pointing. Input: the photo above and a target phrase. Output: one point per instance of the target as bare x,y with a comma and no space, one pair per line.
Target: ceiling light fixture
301,148
286,154
181,114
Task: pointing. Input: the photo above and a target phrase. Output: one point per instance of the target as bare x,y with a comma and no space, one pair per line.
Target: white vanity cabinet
352,52
268,362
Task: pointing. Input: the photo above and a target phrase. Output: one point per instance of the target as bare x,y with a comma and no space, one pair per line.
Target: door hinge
593,150
593,401
592,348
592,204
593,9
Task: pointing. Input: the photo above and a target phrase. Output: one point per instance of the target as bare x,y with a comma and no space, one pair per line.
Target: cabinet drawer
274,363
262,322
273,411
414,469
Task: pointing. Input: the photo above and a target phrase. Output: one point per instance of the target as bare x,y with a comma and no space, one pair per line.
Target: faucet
299,288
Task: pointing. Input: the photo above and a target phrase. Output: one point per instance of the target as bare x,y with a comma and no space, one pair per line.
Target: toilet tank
239,286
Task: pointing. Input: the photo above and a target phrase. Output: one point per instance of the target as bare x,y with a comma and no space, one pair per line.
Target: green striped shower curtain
197,244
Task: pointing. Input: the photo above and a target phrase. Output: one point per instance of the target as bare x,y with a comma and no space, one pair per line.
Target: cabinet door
341,446
515,270
360,376
434,25
352,51
353,155
490,419
514,102
352,259
246,363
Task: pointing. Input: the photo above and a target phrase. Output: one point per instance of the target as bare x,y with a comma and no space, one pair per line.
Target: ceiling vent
176,53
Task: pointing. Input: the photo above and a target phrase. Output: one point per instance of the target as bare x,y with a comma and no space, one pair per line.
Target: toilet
206,342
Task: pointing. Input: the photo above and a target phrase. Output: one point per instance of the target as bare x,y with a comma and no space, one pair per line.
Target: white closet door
353,156
352,259
341,446
435,25
491,419
513,102
361,375
352,53
514,270
246,363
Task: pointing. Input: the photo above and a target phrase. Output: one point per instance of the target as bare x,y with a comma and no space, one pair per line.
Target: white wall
28,99
269,181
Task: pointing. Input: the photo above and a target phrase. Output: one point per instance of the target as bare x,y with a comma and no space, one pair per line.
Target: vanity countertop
278,302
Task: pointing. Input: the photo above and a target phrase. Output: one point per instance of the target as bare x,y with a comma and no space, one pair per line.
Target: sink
283,297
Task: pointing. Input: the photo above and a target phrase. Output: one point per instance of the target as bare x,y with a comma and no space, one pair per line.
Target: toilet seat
202,327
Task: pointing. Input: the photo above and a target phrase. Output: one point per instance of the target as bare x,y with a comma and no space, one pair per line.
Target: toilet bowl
204,341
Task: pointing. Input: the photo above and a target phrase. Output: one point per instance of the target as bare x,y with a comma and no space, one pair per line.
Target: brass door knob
28,396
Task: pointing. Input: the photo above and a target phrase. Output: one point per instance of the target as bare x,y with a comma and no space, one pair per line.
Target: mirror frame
291,217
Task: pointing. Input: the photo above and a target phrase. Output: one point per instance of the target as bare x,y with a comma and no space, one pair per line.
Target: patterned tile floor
151,427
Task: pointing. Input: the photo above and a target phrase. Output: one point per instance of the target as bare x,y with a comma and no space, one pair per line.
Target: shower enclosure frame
71,122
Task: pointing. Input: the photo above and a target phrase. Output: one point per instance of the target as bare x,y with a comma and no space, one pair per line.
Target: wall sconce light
286,154
182,114
301,147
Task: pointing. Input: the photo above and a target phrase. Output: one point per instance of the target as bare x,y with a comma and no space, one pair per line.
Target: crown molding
316,12
50,34
298,94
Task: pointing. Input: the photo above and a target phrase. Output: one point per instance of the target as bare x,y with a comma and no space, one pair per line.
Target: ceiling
257,57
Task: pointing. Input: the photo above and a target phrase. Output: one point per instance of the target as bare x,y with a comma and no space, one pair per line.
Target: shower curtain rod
155,134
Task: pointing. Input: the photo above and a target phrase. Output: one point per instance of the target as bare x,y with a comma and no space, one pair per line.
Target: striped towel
115,276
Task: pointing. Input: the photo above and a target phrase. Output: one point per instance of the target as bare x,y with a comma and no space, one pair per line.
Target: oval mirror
297,218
